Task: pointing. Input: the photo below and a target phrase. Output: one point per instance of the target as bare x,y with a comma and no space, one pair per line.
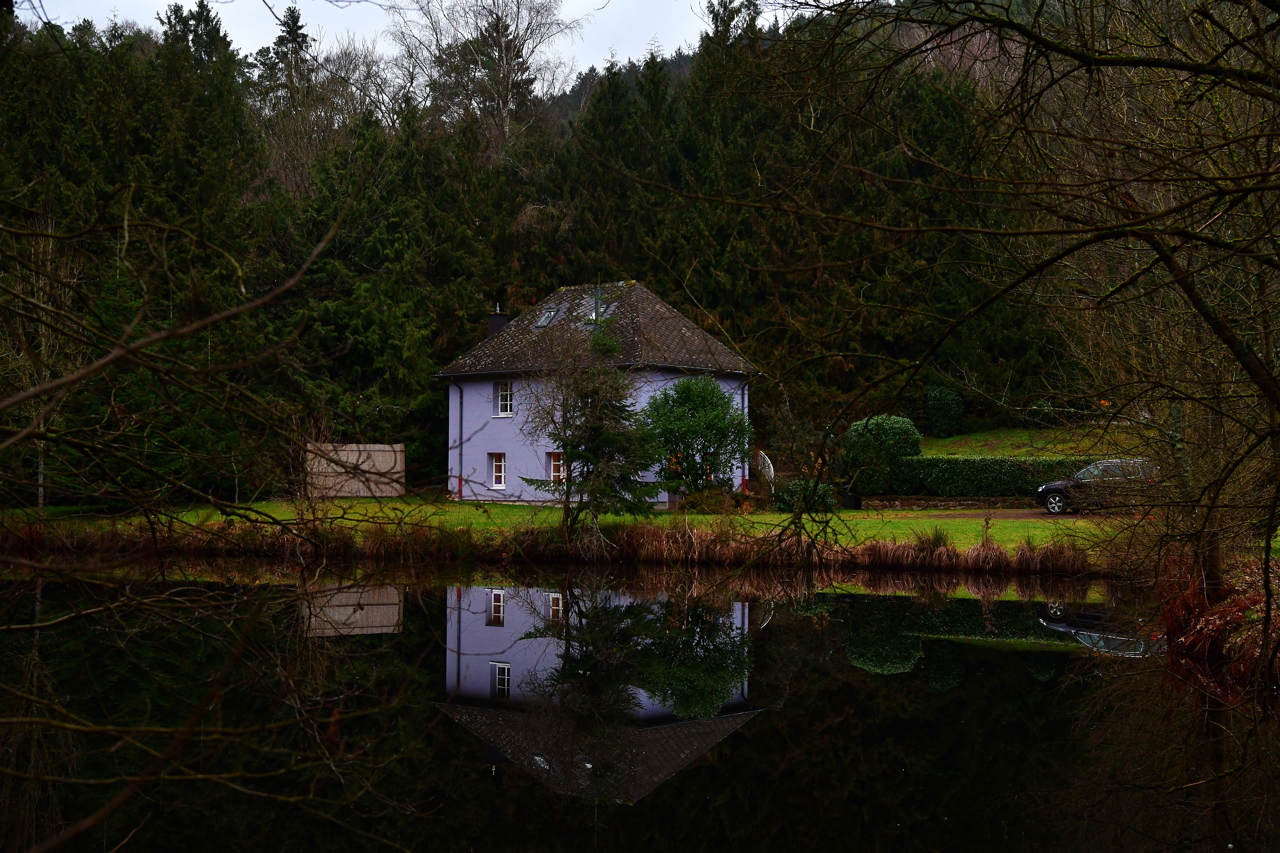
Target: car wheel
1056,609
1056,503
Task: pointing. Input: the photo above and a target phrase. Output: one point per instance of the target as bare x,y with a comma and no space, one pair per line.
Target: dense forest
234,251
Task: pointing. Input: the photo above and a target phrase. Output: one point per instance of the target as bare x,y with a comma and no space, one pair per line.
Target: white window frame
497,470
555,607
501,685
555,467
504,399
496,612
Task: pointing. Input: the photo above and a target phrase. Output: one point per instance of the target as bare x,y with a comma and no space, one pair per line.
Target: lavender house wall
477,431
473,645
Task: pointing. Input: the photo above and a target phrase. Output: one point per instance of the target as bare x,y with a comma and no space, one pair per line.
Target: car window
1092,472
1113,470
1120,646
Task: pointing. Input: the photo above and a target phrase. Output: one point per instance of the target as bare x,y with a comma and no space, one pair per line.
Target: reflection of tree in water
32,753
684,654
1182,748
580,734
1169,767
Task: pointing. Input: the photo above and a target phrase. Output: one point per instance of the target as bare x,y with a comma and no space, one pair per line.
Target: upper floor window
545,318
497,609
498,468
555,607
504,399
555,467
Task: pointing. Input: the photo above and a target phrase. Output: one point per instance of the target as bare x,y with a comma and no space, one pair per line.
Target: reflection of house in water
341,610
493,669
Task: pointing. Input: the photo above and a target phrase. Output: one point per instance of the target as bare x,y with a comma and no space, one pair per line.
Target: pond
421,710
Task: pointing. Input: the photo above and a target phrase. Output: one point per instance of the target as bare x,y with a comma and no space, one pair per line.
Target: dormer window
545,319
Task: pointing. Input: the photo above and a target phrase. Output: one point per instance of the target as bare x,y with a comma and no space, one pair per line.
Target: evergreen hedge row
979,476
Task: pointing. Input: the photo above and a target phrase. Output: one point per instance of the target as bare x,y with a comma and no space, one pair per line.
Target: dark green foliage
686,655
885,633
944,667
230,172
583,409
943,411
696,661
873,449
806,496
1004,620
701,434
980,476
878,640
1043,666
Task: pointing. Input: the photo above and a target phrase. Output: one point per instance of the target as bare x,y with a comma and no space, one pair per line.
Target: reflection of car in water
1098,631
1100,484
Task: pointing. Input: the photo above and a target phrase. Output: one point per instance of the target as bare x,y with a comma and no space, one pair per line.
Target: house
495,659
489,452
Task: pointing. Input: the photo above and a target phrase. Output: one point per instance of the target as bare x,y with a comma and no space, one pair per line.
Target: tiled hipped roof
649,333
622,765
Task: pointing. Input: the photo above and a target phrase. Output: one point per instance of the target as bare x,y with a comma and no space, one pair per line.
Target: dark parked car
1098,631
1110,482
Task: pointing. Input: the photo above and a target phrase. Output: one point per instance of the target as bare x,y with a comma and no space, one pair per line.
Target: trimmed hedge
979,476
874,446
885,634
806,496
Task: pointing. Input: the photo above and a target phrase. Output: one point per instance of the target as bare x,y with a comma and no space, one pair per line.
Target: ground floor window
498,466
555,467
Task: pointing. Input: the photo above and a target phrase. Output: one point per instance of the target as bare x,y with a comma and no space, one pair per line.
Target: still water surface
584,713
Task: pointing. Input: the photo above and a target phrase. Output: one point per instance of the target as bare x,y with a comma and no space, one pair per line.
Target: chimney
497,320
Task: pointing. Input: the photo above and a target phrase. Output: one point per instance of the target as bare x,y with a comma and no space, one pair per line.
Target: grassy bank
414,529
1027,443
1007,528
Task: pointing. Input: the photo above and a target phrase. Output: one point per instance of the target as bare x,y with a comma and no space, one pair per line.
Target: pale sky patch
624,28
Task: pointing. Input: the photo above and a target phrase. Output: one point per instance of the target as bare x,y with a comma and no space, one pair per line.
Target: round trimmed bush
876,641
873,447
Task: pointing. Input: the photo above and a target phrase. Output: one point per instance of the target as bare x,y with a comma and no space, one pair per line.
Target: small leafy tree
872,448
695,661
943,409
685,655
583,406
700,433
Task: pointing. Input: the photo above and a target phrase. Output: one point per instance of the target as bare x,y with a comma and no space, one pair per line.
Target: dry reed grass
782,563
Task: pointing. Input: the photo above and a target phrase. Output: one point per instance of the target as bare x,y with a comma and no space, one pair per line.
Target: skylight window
594,309
546,318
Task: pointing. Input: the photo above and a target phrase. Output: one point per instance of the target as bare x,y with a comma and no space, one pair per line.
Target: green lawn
1007,527
1011,645
1024,442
